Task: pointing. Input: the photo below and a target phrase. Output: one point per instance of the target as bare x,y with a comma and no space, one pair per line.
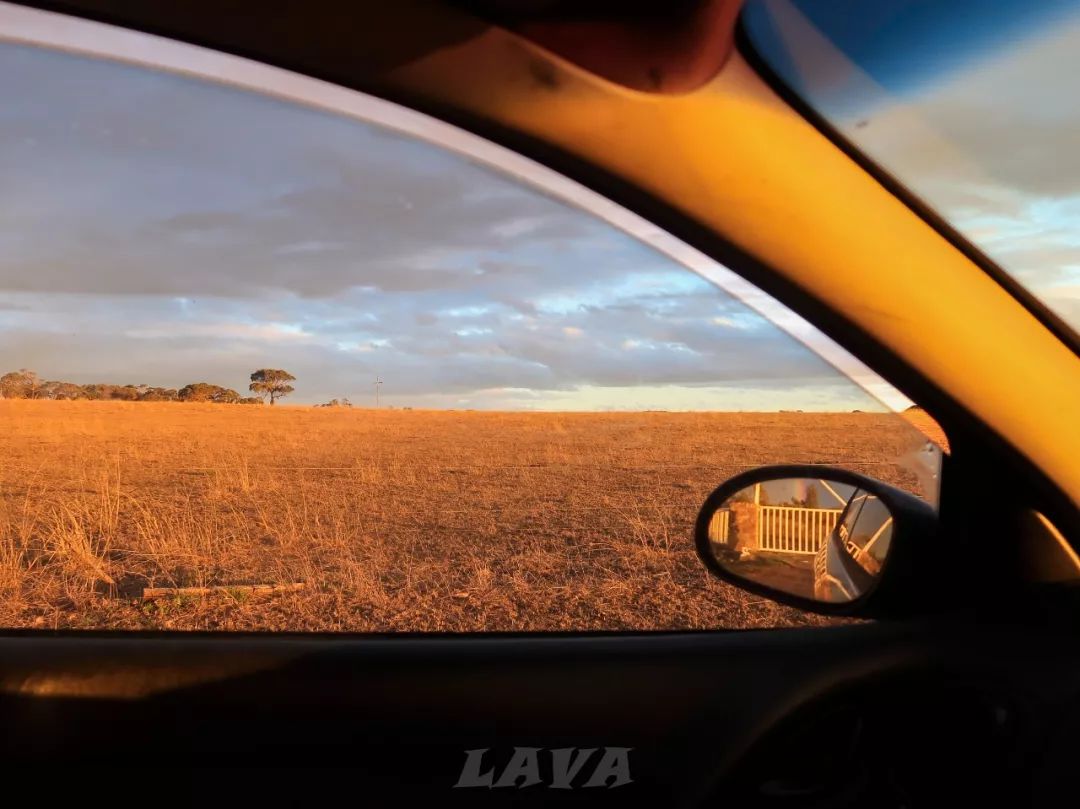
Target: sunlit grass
394,520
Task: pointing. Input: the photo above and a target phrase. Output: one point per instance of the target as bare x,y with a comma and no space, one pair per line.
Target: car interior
949,673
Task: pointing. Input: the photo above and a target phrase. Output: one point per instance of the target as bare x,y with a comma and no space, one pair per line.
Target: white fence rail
781,529
791,529
719,526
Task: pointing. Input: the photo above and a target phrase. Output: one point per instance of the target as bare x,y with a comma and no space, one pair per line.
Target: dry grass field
393,520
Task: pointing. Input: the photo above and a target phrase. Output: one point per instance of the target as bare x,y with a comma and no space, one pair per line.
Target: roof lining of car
672,47
317,37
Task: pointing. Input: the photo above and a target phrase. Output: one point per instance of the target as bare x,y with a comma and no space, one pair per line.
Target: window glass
969,104
271,366
869,533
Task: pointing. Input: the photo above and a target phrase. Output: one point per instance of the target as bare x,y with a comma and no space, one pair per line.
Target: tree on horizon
21,384
272,382
205,392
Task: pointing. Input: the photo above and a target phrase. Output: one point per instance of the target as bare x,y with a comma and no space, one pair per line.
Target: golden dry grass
396,520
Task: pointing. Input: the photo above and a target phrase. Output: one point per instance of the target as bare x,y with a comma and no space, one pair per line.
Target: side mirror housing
823,539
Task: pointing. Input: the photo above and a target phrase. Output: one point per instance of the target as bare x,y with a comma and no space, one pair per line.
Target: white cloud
732,322
337,251
260,332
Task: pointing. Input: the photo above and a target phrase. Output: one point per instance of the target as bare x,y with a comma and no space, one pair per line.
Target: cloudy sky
162,230
971,103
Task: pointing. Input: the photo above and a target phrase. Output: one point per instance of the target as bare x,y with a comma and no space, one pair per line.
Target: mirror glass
810,537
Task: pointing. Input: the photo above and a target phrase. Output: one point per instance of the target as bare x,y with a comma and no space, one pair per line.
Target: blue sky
970,103
162,230
906,44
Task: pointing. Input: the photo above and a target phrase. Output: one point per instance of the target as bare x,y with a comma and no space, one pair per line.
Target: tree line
266,383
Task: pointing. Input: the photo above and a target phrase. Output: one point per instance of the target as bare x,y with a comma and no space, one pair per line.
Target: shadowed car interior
879,610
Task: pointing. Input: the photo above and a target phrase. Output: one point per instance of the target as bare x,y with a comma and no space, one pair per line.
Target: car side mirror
820,538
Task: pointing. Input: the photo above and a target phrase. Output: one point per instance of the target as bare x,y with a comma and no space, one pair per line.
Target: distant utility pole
378,382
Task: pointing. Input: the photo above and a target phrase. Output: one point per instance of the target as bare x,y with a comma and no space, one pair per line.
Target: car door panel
399,714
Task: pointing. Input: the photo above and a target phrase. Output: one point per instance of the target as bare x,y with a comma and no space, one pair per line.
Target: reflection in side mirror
815,538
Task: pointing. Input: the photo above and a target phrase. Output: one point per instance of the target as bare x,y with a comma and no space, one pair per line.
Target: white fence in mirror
778,529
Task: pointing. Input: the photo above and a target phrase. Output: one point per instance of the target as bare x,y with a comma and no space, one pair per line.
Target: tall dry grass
395,520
